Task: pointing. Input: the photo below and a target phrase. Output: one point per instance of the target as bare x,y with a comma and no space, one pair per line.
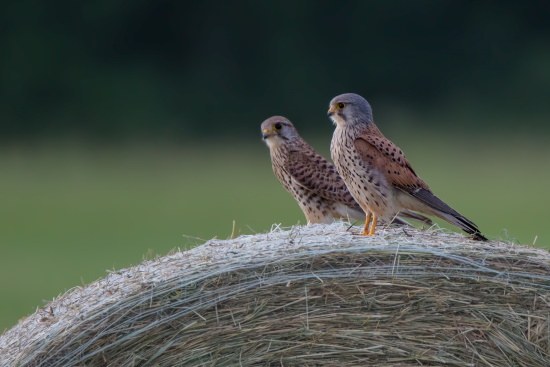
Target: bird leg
366,229
373,226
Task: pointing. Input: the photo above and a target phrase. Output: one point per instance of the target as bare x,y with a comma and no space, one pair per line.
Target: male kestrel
310,178
376,171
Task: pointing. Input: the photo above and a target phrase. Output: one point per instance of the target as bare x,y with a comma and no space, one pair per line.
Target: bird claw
363,234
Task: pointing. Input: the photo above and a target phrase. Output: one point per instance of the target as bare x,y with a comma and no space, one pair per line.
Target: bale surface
308,296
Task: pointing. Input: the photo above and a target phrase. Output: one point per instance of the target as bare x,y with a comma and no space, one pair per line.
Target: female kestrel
310,178
376,171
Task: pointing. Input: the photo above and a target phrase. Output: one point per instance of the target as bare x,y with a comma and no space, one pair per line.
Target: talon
362,234
368,220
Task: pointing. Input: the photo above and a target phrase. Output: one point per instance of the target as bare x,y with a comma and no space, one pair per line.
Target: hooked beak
331,111
266,134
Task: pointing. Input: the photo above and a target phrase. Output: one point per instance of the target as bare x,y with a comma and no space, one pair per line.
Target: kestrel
376,171
310,178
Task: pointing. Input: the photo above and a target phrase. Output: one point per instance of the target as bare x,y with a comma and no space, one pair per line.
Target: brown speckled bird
376,171
310,178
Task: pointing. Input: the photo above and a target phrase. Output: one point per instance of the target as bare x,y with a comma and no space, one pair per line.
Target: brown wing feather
375,149
315,173
385,156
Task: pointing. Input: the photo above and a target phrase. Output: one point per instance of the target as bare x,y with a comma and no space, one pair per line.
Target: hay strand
305,296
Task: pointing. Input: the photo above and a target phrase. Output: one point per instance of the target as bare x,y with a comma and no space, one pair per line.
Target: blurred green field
71,212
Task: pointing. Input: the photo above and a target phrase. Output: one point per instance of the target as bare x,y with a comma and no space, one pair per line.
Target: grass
70,212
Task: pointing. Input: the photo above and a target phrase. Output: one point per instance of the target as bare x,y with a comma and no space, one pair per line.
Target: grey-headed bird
311,179
376,171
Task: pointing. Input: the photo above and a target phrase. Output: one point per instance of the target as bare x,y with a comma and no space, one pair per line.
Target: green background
128,126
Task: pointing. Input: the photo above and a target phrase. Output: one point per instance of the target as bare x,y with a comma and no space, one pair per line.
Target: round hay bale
307,296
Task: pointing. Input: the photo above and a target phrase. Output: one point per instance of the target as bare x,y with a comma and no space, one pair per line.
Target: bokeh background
131,128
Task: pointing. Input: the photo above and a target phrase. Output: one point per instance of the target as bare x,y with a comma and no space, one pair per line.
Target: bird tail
447,213
463,223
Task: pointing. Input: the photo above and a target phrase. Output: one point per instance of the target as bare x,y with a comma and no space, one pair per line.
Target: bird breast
366,184
279,156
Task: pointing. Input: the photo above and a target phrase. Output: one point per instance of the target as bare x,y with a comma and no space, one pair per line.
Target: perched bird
376,171
310,178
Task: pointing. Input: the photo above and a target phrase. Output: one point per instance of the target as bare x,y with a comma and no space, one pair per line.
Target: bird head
277,130
349,109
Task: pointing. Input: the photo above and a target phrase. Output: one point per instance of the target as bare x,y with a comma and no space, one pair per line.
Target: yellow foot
362,234
369,220
373,225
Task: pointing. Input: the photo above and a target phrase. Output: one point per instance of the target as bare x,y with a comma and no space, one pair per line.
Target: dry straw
307,296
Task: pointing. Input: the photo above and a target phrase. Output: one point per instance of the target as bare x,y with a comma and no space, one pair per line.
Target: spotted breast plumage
376,171
310,178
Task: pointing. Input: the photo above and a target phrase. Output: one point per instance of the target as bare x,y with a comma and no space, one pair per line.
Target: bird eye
341,105
278,126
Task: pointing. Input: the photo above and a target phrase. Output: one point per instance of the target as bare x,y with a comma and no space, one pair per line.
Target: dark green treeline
112,68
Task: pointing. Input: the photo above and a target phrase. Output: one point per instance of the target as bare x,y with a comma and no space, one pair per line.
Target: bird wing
376,150
313,172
